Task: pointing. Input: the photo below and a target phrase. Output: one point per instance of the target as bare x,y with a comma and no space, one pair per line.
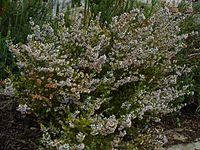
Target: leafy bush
98,87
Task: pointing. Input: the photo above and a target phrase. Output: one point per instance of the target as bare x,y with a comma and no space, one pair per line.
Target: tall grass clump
99,87
14,24
109,9
15,18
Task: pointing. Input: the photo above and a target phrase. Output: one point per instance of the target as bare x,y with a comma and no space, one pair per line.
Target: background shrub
190,54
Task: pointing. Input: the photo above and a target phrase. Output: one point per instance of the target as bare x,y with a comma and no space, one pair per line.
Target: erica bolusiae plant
99,87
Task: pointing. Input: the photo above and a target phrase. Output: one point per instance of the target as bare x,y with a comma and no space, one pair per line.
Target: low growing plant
99,87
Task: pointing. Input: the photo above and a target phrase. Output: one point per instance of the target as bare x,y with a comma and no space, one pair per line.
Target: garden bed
19,132
101,86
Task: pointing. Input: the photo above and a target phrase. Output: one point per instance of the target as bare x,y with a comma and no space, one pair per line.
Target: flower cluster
6,87
96,81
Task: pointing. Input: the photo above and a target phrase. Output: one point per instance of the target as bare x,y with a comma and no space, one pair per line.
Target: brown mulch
17,132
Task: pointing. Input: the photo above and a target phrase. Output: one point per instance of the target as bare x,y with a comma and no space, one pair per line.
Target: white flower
9,90
110,125
126,122
29,38
64,147
80,146
80,137
23,109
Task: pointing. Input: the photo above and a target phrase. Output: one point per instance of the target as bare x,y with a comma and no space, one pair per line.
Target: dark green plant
76,3
191,53
7,61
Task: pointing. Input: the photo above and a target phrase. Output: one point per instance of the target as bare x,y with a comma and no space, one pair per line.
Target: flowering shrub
99,87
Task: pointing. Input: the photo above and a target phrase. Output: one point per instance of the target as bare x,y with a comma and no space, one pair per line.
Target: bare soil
182,128
17,132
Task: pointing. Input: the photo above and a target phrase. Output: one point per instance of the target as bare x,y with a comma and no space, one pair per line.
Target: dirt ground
19,132
182,128
16,131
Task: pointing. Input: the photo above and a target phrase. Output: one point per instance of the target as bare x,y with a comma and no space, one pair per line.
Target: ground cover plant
100,86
